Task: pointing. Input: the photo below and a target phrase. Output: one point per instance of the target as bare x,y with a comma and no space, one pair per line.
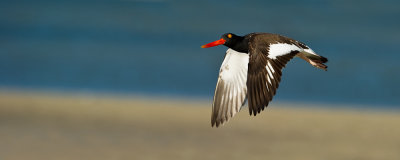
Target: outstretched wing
230,92
269,54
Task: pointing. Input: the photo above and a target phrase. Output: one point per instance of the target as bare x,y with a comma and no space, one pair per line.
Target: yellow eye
229,35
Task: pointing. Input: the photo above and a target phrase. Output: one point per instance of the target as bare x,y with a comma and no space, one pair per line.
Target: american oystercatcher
252,70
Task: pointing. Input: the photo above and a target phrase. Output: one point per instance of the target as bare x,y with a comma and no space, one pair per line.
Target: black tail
318,61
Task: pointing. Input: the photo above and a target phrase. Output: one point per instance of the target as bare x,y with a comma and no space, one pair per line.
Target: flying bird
252,70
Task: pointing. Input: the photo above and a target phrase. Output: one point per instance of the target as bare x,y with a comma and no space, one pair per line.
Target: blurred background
128,79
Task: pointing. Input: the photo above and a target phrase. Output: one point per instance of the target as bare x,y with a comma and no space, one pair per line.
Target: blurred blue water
153,46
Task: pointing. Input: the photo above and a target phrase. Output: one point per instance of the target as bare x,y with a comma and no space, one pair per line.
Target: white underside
234,63
233,74
234,71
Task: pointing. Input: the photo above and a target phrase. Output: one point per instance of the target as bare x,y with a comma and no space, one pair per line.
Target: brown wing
264,72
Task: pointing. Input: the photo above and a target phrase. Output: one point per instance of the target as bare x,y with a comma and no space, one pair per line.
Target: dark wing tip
212,122
324,60
217,123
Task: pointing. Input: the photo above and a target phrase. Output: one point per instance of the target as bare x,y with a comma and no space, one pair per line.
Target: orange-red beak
215,43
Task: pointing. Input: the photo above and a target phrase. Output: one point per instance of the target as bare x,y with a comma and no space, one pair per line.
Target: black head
237,43
231,39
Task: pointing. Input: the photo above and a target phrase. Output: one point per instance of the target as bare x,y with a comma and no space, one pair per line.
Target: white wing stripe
269,80
269,72
310,51
280,49
270,66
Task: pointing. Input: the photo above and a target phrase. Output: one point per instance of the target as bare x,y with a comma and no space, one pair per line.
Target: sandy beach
37,125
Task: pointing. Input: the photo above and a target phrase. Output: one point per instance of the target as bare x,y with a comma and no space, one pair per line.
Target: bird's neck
241,44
